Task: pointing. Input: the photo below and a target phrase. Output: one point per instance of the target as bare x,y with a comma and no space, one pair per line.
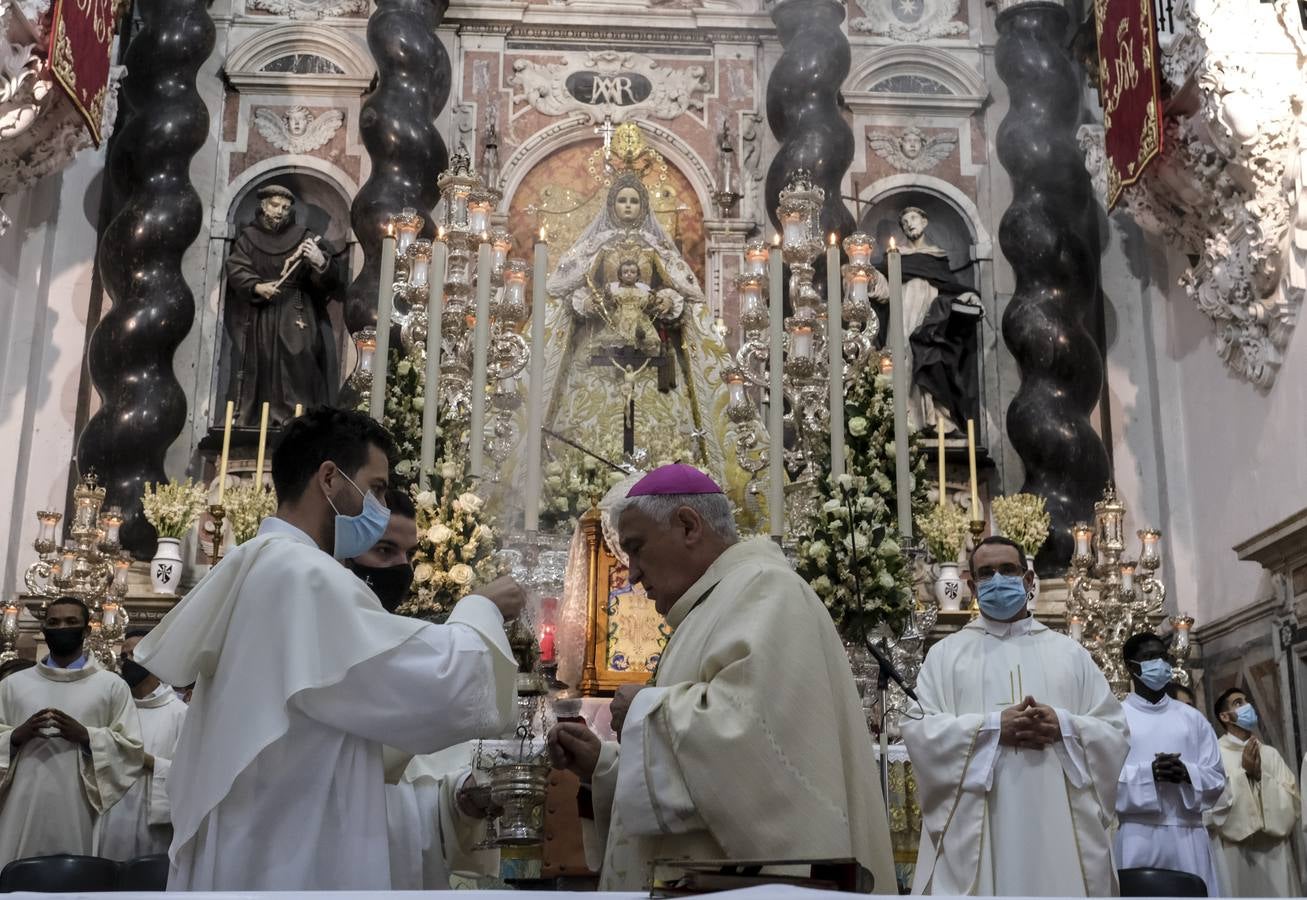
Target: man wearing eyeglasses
1017,750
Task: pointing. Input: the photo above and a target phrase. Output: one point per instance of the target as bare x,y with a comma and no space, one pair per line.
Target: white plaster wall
46,261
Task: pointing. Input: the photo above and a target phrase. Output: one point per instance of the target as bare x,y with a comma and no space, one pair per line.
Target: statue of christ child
630,302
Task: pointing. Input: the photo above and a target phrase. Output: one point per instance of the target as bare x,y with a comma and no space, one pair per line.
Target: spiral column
803,106
143,407
1054,254
398,126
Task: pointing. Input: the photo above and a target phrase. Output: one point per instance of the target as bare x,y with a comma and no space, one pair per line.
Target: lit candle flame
543,233
832,239
440,233
390,229
776,240
485,237
893,247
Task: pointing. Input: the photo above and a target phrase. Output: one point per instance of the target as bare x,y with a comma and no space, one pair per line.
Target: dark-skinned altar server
301,675
1017,753
751,742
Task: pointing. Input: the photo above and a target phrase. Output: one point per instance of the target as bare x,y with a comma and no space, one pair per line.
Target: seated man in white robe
140,824
300,677
1017,751
1257,816
70,745
751,745
1172,776
433,819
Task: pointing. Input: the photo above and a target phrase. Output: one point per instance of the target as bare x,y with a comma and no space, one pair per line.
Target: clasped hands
1168,767
1252,759
40,723
1029,725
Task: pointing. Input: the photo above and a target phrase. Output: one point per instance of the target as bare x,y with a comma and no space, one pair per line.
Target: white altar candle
226,451
480,354
835,343
977,514
263,443
431,391
897,341
776,404
385,298
535,398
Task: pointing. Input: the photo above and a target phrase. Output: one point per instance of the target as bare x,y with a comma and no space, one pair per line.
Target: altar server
1017,751
140,823
751,743
70,745
1257,816
300,675
1172,776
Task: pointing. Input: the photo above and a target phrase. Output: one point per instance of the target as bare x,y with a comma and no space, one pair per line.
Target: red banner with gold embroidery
1130,89
81,40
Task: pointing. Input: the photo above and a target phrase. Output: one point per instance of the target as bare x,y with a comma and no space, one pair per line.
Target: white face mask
358,534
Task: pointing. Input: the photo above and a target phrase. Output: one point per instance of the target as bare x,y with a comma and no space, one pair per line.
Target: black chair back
1160,883
62,873
144,873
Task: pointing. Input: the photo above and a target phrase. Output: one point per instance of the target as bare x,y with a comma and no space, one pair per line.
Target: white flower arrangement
247,504
173,507
944,528
1024,518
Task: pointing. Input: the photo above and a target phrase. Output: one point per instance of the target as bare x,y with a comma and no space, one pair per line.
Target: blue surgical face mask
358,534
1246,717
1002,597
1155,673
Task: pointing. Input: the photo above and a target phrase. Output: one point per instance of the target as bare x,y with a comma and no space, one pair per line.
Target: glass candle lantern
501,242
1075,628
859,248
419,264
111,521
407,225
67,564
859,281
735,388
1083,534
109,615
755,257
801,342
514,302
121,566
45,538
458,201
751,301
365,342
478,214
1128,576
1149,538
794,227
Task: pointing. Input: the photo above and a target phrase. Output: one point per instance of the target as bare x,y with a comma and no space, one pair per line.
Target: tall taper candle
226,451
431,390
385,300
898,351
976,512
776,406
939,449
835,343
299,410
480,357
535,410
263,444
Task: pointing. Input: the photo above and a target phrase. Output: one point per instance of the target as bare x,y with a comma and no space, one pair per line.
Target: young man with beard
284,343
140,823
70,743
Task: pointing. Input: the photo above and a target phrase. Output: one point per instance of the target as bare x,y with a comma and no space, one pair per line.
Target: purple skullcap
676,478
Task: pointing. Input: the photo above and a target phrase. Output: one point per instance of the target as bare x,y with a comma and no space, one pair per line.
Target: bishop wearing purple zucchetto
750,742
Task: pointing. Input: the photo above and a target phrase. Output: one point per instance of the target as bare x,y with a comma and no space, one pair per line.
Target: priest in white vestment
301,676
751,744
1172,777
140,824
70,744
1256,817
1017,751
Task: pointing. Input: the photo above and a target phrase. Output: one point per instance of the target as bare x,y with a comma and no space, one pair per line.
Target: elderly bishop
1017,752
751,743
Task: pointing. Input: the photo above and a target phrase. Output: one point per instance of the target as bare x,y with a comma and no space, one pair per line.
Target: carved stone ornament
40,128
912,151
909,20
310,9
297,130
609,84
1230,190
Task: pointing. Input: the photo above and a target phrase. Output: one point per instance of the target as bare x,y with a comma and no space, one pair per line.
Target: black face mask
64,641
133,672
389,583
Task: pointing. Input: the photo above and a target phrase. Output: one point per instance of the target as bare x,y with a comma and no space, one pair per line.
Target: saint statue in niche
940,315
280,276
629,328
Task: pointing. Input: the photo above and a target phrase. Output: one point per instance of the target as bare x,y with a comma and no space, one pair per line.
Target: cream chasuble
1161,823
141,822
752,744
1256,822
52,790
1001,821
300,675
429,837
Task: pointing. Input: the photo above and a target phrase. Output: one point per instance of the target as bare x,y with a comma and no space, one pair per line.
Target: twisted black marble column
1046,235
803,107
398,125
143,407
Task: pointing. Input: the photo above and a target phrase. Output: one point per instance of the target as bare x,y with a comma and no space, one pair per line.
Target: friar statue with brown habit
280,276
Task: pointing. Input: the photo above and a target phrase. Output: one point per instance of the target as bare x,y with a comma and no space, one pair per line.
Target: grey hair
714,509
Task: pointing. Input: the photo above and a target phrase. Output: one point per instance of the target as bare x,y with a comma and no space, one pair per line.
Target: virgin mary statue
630,353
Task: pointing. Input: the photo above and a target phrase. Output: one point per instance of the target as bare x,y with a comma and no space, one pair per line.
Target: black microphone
886,667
